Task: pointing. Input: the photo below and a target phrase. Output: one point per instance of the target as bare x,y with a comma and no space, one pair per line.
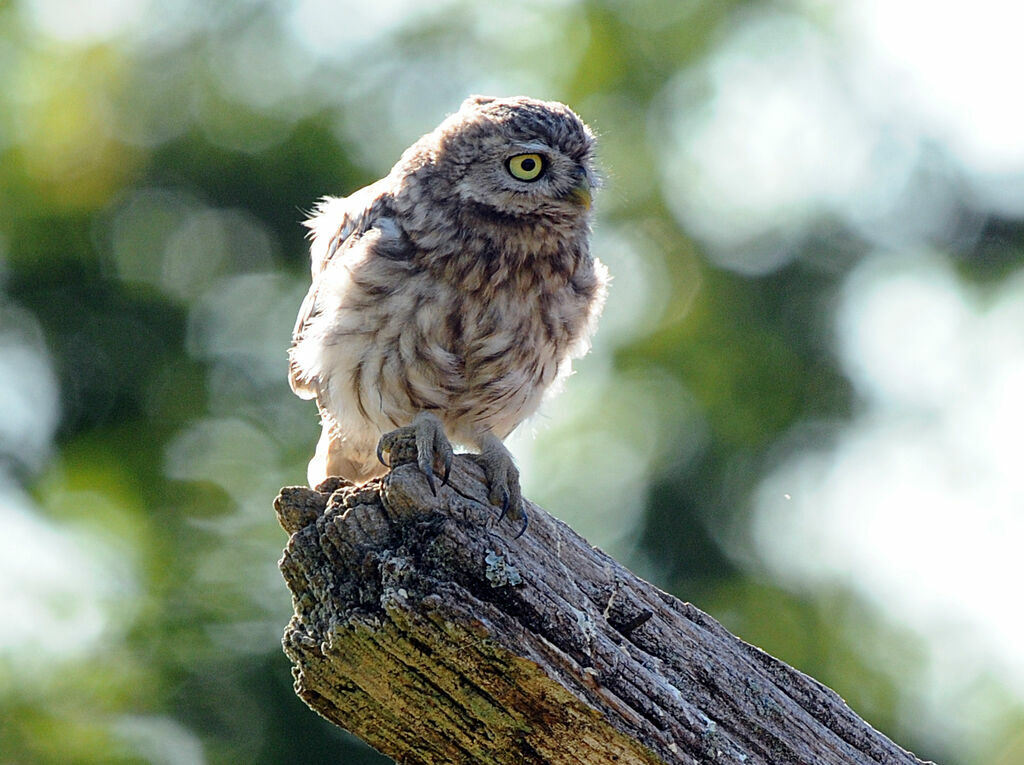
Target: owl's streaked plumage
449,296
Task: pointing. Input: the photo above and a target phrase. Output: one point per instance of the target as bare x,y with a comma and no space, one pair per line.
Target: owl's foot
426,435
502,480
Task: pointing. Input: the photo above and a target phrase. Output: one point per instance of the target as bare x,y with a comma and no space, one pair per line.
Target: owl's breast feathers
404,316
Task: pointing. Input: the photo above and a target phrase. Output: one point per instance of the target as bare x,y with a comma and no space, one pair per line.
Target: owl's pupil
528,164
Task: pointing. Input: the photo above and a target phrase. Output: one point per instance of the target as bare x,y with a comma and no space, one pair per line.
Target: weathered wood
421,626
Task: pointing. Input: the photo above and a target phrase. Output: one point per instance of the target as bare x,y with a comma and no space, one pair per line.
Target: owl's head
512,157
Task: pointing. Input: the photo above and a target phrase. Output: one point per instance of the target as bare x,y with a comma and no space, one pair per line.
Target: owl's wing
336,226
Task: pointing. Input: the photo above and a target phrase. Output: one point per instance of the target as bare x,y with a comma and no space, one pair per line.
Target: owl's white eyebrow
533,147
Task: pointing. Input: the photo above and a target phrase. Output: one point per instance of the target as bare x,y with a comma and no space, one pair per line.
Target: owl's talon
506,502
502,478
526,522
423,442
448,457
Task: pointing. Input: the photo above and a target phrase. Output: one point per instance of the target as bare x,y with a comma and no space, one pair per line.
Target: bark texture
424,628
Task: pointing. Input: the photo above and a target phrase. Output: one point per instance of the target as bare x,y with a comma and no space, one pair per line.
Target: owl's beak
580,193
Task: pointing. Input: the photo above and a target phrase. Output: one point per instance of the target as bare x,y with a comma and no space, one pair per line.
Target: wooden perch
422,627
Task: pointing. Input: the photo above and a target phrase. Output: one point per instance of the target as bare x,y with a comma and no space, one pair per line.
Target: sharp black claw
447,468
380,454
526,522
429,473
506,502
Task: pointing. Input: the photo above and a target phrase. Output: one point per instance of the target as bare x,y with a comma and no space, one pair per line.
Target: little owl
451,295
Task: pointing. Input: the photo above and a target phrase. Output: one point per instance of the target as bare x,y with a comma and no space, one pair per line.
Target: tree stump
423,627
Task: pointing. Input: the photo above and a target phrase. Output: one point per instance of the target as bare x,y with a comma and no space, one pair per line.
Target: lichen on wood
423,627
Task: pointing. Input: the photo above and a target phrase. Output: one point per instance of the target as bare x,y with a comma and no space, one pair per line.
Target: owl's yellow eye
526,167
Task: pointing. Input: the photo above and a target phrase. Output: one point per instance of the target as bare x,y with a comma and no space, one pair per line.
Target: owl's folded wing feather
335,224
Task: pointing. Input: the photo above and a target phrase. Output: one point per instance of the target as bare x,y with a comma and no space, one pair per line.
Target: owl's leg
427,434
336,456
502,479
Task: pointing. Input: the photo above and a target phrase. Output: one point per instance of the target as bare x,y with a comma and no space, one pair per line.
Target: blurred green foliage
154,165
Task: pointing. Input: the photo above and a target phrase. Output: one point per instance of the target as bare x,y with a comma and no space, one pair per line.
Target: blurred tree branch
424,629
